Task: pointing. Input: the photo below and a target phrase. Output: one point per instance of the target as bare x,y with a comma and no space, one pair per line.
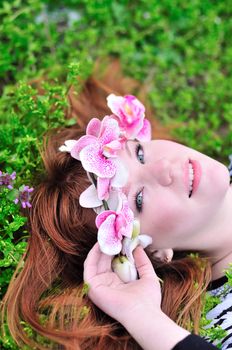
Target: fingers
96,263
90,264
143,263
104,263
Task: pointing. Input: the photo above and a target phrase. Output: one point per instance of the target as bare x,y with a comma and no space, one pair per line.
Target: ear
164,255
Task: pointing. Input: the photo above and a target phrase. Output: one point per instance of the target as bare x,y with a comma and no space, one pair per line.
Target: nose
161,170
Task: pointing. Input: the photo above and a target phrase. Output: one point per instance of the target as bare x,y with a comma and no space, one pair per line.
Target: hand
122,301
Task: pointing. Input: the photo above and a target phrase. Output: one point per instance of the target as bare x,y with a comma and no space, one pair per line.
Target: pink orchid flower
113,226
130,112
103,136
98,150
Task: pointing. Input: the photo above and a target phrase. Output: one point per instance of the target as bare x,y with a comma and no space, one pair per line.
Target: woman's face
159,191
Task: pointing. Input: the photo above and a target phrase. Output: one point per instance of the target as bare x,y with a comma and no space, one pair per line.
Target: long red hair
46,291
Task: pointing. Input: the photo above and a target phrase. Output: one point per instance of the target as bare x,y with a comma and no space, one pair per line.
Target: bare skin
202,222
127,302
157,181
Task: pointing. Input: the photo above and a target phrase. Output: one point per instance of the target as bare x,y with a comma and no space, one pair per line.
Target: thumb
143,263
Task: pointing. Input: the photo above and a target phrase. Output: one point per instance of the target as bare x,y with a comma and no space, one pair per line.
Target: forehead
128,160
126,152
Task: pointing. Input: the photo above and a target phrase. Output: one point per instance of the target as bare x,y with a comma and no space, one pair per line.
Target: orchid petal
144,240
94,162
121,198
120,224
68,145
103,216
145,133
108,241
83,142
136,228
99,210
114,103
133,129
130,112
128,245
129,217
103,188
121,175
111,149
93,128
110,131
114,200
135,104
89,198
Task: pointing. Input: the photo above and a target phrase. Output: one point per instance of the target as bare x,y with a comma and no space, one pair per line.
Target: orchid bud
125,270
136,228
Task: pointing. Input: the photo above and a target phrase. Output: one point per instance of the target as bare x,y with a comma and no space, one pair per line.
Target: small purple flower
24,196
7,179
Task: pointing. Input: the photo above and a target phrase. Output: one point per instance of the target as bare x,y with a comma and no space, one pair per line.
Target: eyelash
139,206
139,148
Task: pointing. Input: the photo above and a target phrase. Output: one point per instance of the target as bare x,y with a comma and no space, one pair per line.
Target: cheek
164,216
216,180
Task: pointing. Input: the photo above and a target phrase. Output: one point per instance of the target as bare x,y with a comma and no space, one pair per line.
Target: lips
197,172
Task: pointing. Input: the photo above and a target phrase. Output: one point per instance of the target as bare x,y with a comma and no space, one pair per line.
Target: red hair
46,291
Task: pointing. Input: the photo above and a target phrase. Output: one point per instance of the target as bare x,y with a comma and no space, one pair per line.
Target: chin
220,180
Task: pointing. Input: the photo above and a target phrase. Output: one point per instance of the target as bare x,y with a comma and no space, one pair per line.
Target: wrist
155,330
139,312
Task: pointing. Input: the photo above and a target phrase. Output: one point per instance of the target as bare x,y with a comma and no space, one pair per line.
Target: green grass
181,50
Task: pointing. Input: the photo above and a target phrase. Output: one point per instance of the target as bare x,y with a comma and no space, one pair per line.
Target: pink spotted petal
103,216
121,232
82,143
103,187
130,112
94,127
145,133
120,225
114,103
108,240
111,149
133,129
109,131
94,162
135,105
129,217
